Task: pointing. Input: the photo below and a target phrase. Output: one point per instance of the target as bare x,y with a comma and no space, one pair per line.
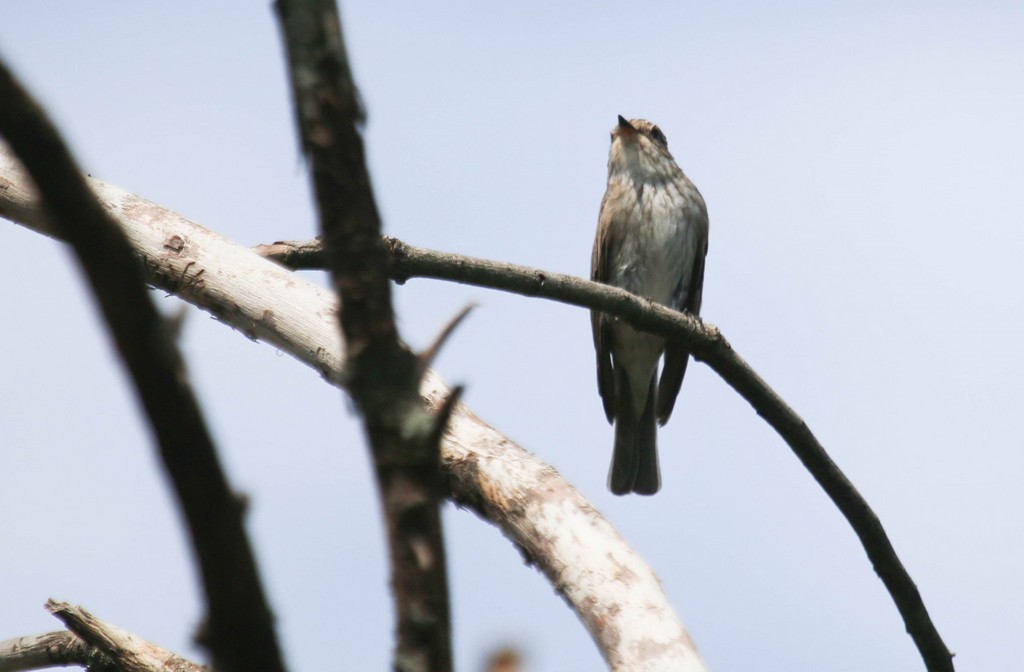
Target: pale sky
863,167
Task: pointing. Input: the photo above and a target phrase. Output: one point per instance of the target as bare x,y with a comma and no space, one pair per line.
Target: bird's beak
625,129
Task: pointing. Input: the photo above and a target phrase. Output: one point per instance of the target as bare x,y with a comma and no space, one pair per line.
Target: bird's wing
608,232
676,356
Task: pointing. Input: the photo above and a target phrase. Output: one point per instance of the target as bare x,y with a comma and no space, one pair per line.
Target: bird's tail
635,458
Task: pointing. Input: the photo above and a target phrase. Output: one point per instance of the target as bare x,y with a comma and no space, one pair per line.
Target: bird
652,239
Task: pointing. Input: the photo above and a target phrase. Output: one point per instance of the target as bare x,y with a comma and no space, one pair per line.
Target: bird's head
638,148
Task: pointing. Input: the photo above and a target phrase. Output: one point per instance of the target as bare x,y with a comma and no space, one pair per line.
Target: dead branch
120,650
609,586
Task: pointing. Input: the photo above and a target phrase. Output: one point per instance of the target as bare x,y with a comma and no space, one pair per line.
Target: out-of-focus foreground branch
239,629
610,587
381,374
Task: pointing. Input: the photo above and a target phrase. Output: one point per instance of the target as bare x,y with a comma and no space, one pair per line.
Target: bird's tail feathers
635,457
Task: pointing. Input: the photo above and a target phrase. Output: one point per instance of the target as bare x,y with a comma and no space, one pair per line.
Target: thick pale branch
381,375
707,344
240,631
612,589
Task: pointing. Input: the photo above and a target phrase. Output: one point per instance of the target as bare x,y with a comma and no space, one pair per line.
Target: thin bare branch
241,633
707,344
382,375
427,357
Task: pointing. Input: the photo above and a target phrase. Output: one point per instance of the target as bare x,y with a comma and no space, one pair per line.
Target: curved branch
707,344
614,592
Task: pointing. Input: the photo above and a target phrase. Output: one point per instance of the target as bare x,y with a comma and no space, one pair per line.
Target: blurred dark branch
240,631
708,345
381,374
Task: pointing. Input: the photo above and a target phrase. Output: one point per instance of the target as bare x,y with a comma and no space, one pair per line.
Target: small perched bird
652,237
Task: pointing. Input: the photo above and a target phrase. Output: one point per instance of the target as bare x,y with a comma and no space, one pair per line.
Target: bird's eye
659,137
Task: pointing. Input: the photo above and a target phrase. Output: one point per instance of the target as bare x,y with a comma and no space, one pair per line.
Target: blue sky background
862,165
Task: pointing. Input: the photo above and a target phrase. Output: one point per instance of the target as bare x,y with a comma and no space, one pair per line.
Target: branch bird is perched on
652,237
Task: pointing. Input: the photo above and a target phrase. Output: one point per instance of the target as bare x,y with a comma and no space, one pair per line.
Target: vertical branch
381,374
239,631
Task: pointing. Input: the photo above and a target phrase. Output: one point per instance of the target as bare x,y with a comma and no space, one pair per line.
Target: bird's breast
657,247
